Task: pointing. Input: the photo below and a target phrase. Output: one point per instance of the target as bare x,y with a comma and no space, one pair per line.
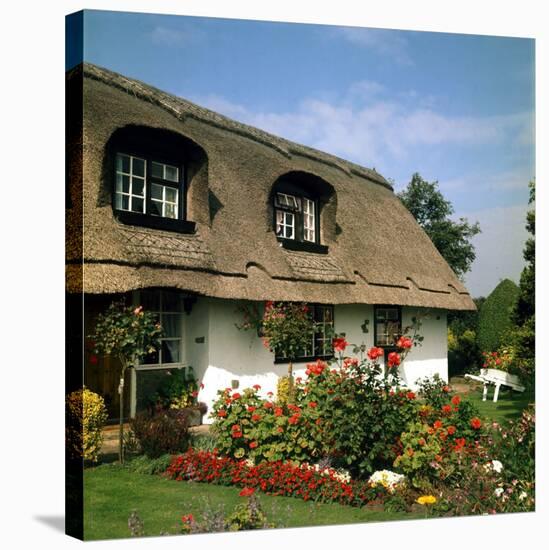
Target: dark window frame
310,358
147,219
298,242
387,347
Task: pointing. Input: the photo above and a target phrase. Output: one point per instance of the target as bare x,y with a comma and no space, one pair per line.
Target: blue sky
455,108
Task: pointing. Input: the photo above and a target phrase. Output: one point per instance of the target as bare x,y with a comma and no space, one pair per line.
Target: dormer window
295,217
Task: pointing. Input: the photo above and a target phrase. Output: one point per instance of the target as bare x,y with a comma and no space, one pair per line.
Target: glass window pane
137,205
156,208
125,184
171,194
118,201
172,173
172,301
156,191
151,359
170,351
138,186
157,170
125,202
392,313
170,211
138,167
171,323
123,163
150,300
118,182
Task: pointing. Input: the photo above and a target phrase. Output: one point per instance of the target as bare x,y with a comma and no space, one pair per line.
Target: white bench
498,378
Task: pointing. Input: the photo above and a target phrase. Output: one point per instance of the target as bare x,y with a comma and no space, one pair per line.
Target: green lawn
509,406
111,493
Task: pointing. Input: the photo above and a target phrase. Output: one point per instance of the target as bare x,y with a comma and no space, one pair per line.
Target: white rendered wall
229,354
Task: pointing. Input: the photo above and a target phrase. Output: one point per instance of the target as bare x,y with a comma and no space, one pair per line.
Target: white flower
523,495
389,480
498,492
497,466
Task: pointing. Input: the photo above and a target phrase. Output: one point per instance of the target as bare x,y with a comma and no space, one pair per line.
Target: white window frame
309,226
119,190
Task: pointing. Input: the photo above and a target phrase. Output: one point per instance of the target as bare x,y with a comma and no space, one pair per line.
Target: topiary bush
495,316
86,415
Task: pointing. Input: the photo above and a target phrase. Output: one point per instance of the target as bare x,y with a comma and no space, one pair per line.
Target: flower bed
275,478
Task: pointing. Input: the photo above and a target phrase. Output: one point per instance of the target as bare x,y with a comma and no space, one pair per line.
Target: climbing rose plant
128,334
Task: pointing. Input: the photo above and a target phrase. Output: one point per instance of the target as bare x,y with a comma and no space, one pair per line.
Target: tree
127,333
432,212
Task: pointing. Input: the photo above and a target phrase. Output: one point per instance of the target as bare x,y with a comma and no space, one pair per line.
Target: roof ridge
183,108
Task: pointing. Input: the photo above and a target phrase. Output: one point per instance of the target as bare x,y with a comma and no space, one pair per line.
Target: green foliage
203,442
86,415
128,333
432,212
495,315
178,390
283,389
463,352
434,391
145,465
521,345
247,516
161,433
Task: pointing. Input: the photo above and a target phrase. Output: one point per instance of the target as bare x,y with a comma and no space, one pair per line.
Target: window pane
156,208
123,163
118,201
138,167
125,202
171,323
150,300
156,191
157,170
138,186
171,194
392,313
170,211
172,173
152,359
170,351
172,301
137,205
125,183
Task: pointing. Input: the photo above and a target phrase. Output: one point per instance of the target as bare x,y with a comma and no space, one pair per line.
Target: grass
509,406
112,492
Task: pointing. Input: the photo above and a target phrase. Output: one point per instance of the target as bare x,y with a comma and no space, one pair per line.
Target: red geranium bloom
253,444
404,342
279,411
393,359
313,404
374,353
411,395
189,518
236,395
255,417
445,389
279,429
437,425
194,393
246,492
222,413
268,405
476,423
293,419
451,430
256,387
446,409
201,386
456,399
339,344
251,409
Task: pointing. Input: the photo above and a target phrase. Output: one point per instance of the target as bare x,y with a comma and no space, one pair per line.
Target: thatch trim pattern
376,251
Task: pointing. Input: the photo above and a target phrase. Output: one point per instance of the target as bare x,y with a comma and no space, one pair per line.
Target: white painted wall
230,354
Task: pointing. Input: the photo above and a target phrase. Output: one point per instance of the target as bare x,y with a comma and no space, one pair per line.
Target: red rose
251,409
256,387
246,492
194,393
446,389
393,359
268,405
253,444
278,411
456,399
236,395
222,413
201,386
476,423
280,429
446,409
404,342
339,344
374,353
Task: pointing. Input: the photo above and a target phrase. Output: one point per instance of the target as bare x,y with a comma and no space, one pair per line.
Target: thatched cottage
191,214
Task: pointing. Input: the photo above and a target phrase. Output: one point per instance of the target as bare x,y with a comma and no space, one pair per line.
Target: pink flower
256,387
138,310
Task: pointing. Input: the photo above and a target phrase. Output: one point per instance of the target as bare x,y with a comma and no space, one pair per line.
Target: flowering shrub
85,417
391,481
276,478
178,390
502,360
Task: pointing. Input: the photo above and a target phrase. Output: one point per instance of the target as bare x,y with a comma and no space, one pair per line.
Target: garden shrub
495,316
144,465
283,387
521,345
86,415
161,432
249,515
178,390
463,352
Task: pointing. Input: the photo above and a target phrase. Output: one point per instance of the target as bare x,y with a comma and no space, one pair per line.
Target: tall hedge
495,315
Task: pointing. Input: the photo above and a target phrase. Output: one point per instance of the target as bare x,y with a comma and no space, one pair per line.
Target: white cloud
504,181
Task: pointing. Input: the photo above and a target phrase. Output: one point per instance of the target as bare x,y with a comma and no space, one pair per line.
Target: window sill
155,222
302,246
312,359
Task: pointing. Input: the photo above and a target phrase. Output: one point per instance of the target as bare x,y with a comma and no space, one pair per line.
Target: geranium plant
127,333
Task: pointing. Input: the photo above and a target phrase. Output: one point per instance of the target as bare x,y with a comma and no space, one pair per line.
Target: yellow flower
426,499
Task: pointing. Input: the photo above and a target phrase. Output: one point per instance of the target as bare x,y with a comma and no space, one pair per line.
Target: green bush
521,344
463,352
495,315
86,415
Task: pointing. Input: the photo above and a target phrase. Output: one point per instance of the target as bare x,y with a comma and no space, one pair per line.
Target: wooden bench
498,378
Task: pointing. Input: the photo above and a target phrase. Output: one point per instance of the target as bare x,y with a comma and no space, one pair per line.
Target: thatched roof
376,251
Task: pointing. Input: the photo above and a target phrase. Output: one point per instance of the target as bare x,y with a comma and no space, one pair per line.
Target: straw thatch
376,251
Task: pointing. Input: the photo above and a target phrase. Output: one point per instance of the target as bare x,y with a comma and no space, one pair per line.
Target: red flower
251,409
246,492
222,413
404,342
445,389
94,359
393,359
446,409
476,423
374,353
256,387
451,430
256,418
411,395
278,411
339,344
313,404
236,395
437,425
279,429
293,419
456,399
189,518
201,386
421,441
194,393
253,444
268,405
